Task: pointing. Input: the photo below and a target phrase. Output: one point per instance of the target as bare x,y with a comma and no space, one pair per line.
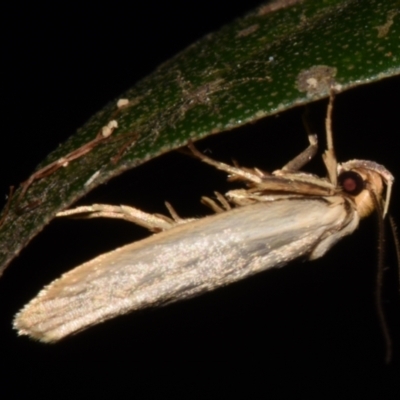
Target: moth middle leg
255,175
304,157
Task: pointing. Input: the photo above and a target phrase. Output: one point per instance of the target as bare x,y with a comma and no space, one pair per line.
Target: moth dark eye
351,182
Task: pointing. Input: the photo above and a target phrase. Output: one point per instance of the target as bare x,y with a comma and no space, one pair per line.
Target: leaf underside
283,54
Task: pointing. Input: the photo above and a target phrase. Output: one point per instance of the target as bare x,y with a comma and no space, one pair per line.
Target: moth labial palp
277,217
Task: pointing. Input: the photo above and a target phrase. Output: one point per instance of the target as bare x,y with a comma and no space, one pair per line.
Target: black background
310,320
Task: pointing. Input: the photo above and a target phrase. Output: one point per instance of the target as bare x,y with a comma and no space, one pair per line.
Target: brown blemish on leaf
317,80
193,96
383,30
276,5
248,31
200,95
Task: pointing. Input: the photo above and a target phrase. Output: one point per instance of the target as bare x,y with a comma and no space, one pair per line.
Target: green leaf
272,59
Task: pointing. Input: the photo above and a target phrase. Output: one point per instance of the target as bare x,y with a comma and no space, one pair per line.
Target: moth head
366,182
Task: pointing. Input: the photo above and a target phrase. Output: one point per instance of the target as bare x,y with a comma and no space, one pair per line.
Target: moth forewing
186,261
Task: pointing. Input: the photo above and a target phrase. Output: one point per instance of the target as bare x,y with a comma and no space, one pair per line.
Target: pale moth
278,217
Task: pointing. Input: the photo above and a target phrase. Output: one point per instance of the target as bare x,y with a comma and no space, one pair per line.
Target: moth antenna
329,156
389,185
379,280
393,227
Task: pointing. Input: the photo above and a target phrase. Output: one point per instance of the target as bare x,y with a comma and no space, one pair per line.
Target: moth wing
182,262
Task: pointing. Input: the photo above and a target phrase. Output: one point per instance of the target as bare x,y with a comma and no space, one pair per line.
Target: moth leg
304,157
234,172
217,208
223,201
172,212
176,219
329,156
152,222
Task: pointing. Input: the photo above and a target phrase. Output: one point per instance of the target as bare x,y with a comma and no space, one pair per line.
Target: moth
277,217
